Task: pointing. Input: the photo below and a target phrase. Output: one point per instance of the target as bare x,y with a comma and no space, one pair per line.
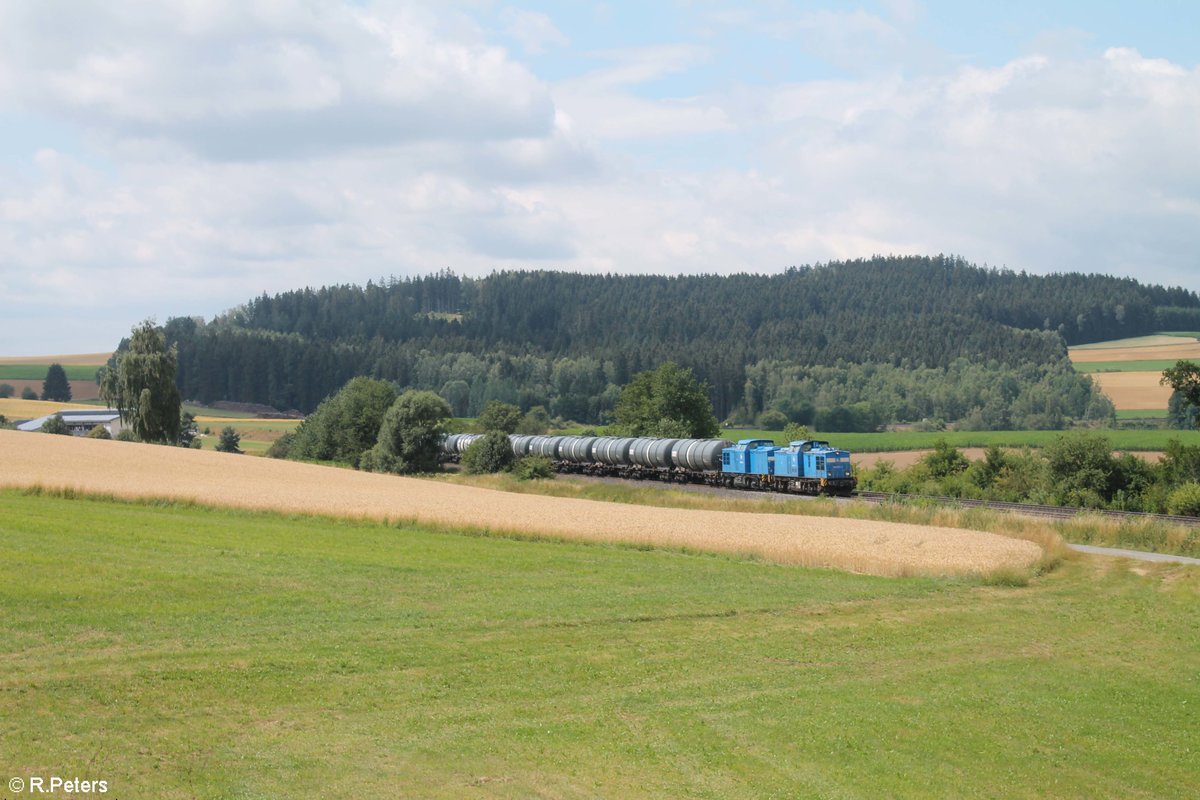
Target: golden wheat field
1134,390
134,470
15,408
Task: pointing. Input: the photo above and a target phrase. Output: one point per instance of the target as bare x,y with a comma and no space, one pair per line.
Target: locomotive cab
816,467
749,457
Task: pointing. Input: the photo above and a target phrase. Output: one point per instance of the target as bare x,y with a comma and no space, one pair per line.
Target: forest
846,345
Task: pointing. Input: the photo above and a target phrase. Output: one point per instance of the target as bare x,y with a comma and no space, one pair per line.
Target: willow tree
139,382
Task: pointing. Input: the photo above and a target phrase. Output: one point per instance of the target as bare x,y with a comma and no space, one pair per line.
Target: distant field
76,359
9,372
257,434
179,652
1134,440
1146,365
1154,340
1134,390
16,408
1129,371
1130,413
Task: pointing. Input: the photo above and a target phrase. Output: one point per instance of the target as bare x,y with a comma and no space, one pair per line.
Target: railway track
1029,509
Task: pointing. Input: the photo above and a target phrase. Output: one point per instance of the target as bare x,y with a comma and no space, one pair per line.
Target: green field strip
1142,413
1149,365
37,372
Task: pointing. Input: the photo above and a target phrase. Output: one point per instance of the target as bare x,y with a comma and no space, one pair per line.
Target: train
806,466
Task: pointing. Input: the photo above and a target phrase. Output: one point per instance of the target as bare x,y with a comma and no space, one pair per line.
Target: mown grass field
180,652
1144,365
30,372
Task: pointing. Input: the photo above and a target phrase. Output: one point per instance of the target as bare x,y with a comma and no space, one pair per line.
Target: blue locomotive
802,467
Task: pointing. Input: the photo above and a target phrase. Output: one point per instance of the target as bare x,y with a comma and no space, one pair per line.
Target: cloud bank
188,155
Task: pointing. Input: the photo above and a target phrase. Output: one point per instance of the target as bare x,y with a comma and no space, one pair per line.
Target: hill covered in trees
842,340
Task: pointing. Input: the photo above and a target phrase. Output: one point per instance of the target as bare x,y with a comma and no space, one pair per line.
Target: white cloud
237,148
535,31
603,104
265,78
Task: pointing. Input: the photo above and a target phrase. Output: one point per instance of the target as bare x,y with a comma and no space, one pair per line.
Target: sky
179,157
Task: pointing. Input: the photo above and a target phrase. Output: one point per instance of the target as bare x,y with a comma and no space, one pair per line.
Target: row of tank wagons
699,455
809,467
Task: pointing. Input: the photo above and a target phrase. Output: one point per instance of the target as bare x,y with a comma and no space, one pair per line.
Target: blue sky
165,157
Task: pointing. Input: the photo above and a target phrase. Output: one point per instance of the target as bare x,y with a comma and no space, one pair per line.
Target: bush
126,435
945,460
56,425
28,393
533,468
410,439
6,390
281,447
98,432
772,420
1185,500
377,460
491,452
795,433
535,422
498,416
346,424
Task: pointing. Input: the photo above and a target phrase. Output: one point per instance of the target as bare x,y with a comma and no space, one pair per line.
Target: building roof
74,416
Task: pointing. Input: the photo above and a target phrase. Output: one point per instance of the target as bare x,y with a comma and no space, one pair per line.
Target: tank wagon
802,467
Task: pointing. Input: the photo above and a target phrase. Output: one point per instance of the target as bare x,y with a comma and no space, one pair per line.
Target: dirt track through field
133,470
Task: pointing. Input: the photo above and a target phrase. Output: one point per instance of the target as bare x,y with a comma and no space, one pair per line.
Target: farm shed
80,421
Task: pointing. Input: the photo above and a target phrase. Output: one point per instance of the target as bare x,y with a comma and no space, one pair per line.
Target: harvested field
1180,349
1137,341
1134,390
132,470
80,390
76,359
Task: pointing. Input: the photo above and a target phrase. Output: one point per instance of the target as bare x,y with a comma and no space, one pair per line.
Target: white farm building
80,421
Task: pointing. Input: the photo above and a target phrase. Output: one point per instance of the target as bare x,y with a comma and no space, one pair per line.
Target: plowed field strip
129,470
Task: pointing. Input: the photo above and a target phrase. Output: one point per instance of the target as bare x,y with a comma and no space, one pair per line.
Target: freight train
801,467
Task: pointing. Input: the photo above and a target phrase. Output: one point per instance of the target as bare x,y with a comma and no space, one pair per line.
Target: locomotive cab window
820,462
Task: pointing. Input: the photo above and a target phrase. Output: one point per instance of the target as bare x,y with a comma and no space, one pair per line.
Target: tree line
567,342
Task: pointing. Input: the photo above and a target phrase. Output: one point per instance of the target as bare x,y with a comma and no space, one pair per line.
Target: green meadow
37,372
182,652
1146,365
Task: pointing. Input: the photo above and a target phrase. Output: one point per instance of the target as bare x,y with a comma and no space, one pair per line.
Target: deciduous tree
411,435
667,401
141,386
